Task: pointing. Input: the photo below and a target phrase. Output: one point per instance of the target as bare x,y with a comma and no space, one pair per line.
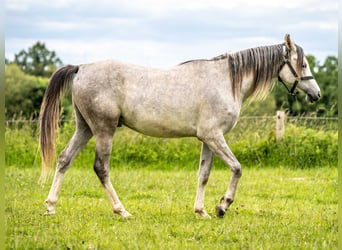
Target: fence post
280,126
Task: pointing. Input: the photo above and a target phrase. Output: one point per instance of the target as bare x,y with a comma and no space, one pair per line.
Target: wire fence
241,117
257,125
313,122
320,123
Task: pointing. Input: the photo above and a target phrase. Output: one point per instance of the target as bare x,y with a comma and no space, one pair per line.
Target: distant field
275,208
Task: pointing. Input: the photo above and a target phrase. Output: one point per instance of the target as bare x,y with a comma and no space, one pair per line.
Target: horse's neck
247,87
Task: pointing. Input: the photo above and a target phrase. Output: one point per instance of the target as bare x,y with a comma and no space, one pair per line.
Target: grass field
286,199
275,208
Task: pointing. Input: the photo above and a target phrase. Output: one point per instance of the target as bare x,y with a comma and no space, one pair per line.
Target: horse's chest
229,121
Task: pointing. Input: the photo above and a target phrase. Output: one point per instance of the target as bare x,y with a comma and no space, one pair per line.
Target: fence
260,124
308,142
263,125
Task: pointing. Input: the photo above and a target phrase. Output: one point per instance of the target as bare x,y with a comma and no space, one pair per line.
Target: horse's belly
164,126
164,132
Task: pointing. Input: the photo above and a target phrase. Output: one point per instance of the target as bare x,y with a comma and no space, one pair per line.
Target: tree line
28,75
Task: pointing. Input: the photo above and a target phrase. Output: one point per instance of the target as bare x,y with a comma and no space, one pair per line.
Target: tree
23,93
327,78
37,60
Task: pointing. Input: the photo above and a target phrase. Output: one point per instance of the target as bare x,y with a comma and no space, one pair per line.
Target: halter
297,78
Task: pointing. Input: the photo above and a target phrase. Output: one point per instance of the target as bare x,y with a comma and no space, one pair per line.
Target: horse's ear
289,44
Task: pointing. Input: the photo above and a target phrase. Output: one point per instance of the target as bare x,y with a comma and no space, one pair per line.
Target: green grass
275,208
291,207
252,142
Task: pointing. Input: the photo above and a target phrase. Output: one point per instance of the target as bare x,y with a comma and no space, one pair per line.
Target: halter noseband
293,71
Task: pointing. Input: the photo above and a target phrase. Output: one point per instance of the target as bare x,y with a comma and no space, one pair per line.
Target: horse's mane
216,58
263,62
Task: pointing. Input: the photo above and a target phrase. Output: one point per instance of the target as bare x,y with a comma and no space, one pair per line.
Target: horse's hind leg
101,166
203,176
75,145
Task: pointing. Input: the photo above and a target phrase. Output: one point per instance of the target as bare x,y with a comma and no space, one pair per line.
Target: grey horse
198,98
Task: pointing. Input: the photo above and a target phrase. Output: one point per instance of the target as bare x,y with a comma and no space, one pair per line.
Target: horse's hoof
126,215
220,211
203,214
52,212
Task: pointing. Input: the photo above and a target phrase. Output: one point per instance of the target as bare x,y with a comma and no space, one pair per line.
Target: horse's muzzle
313,98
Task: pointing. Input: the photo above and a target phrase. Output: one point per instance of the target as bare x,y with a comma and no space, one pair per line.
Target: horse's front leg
203,176
218,145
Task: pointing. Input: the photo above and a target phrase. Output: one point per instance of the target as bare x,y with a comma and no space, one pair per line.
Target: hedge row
301,148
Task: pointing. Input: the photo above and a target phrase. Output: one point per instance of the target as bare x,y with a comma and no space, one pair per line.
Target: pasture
287,196
274,209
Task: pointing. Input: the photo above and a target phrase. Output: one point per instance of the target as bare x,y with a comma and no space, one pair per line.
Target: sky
160,33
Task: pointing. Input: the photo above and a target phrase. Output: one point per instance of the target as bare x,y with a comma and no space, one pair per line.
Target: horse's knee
236,169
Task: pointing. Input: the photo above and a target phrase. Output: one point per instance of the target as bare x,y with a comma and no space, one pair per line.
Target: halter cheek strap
293,71
292,91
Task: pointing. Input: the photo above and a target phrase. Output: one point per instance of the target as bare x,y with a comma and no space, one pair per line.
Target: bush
23,93
301,148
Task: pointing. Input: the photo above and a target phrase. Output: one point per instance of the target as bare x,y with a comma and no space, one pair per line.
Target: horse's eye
304,65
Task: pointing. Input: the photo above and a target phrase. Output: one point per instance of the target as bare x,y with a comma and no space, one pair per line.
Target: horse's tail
49,114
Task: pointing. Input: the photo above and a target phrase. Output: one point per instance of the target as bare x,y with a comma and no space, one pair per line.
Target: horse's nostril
319,94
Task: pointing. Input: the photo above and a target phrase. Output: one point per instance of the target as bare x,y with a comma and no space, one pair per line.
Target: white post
280,127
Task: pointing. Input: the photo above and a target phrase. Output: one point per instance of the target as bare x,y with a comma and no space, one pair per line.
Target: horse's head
295,70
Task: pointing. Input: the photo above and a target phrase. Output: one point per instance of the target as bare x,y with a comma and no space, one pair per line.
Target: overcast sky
164,33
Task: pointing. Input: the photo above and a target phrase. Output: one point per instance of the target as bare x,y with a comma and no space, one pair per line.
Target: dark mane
263,62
